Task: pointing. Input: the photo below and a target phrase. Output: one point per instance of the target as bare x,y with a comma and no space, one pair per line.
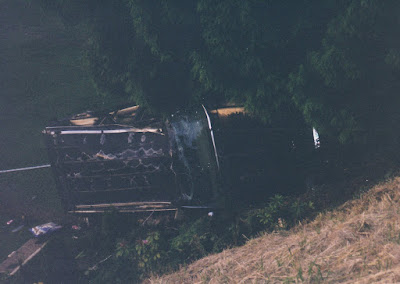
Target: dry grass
356,243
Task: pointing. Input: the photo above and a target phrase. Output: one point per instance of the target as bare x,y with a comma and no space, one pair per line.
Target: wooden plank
21,256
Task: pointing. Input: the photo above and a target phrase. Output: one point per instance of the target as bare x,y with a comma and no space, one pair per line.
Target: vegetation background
333,65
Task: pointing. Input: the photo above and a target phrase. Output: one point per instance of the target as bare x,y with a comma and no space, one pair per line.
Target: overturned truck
135,162
132,161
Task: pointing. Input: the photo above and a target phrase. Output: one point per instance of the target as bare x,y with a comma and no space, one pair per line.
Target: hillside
358,242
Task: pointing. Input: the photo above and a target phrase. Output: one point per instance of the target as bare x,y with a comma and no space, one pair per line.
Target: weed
278,262
300,274
379,265
205,278
314,276
288,280
225,279
282,212
303,243
393,235
389,263
261,264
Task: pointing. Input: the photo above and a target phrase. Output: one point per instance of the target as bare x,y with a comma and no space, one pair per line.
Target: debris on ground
21,256
76,227
17,229
45,229
80,255
96,266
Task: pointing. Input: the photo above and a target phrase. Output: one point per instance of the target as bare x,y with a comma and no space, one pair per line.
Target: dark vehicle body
135,162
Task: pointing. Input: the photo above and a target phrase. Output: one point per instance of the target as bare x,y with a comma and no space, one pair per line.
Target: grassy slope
357,243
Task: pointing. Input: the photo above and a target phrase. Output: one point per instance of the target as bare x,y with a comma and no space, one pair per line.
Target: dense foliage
333,63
